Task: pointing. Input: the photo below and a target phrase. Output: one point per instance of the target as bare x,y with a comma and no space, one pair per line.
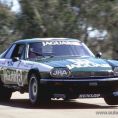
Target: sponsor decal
89,95
3,62
84,63
93,84
60,72
10,63
13,76
60,43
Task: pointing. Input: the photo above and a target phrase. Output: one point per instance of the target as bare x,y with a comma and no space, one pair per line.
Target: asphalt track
19,107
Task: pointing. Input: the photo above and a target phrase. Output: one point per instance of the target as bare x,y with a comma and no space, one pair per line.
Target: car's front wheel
37,94
111,100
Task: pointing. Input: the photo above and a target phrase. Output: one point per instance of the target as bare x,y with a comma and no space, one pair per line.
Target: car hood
78,64
113,63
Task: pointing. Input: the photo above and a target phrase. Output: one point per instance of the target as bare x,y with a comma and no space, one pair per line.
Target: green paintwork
73,62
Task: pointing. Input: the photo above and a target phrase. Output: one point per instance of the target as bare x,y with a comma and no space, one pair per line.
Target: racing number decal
13,76
19,78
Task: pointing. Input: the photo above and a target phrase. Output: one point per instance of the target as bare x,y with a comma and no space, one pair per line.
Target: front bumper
81,86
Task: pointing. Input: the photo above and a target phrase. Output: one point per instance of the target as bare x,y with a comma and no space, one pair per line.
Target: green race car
56,68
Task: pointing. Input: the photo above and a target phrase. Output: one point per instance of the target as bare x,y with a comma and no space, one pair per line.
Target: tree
7,26
52,18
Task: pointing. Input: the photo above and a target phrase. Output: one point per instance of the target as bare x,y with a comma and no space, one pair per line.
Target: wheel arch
34,70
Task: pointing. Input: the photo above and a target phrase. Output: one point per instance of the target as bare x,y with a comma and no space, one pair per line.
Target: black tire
5,94
111,100
37,94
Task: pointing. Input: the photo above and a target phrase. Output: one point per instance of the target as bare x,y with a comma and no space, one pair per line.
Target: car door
12,74
4,62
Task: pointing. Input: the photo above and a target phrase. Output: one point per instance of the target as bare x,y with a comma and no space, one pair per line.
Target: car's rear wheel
111,100
5,94
37,94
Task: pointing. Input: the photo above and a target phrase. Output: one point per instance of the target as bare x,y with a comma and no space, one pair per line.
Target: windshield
60,48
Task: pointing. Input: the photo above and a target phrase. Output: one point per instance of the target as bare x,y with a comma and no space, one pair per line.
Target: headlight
116,71
60,72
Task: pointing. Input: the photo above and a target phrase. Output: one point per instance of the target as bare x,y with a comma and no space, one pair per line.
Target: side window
35,50
19,51
9,52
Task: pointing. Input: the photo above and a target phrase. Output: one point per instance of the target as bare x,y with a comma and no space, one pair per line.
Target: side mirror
15,59
99,55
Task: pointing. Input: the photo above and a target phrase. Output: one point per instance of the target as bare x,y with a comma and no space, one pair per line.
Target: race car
49,68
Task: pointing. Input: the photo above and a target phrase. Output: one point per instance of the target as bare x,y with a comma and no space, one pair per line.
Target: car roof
45,39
